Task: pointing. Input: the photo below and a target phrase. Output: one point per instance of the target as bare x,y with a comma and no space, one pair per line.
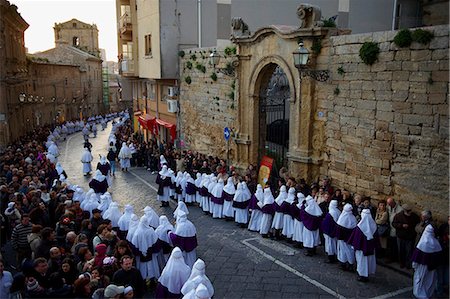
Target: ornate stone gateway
274,117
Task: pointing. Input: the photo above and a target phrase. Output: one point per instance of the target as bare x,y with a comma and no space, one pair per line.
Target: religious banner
264,170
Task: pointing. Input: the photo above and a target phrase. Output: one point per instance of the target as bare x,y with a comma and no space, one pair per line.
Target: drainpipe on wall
199,8
394,14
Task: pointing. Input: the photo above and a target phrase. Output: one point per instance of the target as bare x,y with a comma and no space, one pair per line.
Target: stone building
13,69
79,35
377,130
88,93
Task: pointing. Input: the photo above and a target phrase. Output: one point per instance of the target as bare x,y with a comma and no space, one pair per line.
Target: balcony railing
125,23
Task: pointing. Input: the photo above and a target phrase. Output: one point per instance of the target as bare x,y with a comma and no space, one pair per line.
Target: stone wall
387,124
206,106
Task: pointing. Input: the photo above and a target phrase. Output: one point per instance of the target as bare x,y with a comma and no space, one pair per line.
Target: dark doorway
274,116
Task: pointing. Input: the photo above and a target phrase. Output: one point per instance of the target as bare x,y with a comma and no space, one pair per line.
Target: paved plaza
240,263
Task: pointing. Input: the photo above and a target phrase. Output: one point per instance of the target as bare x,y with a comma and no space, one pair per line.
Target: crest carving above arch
262,63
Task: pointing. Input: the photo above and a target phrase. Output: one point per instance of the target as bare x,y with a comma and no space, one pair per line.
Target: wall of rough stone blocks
387,124
206,106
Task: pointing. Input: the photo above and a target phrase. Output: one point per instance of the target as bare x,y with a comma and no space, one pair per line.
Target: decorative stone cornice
285,32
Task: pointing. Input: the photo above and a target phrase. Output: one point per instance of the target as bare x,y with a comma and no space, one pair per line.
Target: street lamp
22,97
229,70
301,60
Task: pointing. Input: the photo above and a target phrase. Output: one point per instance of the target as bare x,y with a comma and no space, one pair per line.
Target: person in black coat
129,276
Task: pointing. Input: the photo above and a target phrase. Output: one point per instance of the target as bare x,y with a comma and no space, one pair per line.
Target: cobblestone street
240,263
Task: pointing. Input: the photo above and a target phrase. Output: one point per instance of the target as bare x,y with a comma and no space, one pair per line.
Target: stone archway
259,55
273,114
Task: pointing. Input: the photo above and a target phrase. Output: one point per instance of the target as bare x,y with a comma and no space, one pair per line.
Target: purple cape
186,244
253,204
311,222
162,292
163,183
227,197
431,260
178,189
217,200
166,248
343,233
241,205
359,241
155,248
158,179
203,191
285,208
329,226
104,169
269,209
295,212
99,187
190,188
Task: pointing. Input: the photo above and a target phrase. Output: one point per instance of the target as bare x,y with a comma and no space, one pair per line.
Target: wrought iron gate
274,117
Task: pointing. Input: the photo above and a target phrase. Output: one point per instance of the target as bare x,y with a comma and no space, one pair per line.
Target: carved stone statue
240,28
309,16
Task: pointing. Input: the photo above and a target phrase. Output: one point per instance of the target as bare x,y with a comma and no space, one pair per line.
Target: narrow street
240,263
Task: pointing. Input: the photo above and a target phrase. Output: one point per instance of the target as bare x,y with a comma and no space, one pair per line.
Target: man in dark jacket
129,276
404,224
48,240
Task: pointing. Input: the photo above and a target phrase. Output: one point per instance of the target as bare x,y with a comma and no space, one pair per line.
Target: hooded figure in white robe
268,210
287,209
163,180
190,189
153,218
178,186
53,149
125,156
364,241
162,161
183,184
298,208
200,293
277,222
105,168
99,183
346,224
255,204
198,277
311,221
86,159
211,185
145,240
173,277
198,185
240,205
425,259
105,201
91,203
204,196
113,213
172,193
87,196
79,195
180,207
228,194
185,237
132,226
124,220
60,170
329,226
162,232
217,199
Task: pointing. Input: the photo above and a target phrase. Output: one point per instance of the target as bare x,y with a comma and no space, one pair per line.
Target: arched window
75,41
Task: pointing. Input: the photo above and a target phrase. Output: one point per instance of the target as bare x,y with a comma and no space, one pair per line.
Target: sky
42,16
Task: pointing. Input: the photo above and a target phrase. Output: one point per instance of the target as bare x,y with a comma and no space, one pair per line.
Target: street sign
226,133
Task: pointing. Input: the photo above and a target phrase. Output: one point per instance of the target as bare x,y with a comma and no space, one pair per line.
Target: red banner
265,169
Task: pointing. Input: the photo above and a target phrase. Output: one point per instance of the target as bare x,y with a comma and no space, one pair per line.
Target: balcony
127,67
125,26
